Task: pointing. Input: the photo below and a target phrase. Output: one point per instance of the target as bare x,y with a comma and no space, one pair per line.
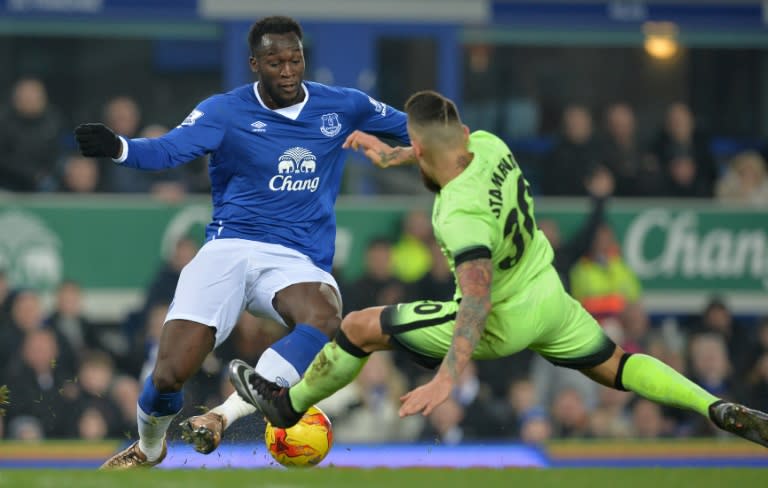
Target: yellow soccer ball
305,444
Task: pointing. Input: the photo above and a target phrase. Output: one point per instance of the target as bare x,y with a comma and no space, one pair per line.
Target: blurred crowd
72,378
37,154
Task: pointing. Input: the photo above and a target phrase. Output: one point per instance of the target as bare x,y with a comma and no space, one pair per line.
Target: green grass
405,478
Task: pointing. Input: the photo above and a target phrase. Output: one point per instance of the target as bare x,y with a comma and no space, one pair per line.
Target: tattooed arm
381,154
474,279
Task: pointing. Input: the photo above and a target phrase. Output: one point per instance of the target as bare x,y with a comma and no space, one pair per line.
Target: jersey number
512,227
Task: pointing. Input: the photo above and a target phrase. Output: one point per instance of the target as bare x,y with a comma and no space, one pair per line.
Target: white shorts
228,276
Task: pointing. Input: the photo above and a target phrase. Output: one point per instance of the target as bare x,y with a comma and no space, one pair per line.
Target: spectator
536,429
163,285
745,181
35,382
600,186
95,380
522,406
717,319
160,291
624,157
125,394
26,315
570,415
682,178
29,139
92,426
377,286
123,115
609,418
648,421
710,365
69,322
79,175
573,156
636,327
438,284
411,257
683,152
481,420
602,281
26,428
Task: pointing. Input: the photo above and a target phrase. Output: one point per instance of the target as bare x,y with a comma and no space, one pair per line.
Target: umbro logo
259,126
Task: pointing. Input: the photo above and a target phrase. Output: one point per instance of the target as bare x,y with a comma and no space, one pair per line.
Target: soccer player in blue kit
275,167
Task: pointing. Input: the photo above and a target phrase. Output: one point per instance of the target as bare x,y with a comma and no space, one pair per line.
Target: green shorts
543,318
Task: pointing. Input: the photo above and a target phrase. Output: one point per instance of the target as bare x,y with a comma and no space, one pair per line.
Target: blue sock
154,415
157,404
287,359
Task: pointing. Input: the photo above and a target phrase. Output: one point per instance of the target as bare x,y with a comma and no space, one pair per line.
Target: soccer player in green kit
508,295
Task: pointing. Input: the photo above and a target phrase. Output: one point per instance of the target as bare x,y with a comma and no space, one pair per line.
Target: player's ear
418,150
466,132
254,64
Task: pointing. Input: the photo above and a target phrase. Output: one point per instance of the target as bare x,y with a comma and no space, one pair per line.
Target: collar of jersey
291,112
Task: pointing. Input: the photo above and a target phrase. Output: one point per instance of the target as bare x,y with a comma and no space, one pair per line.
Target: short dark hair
429,107
272,25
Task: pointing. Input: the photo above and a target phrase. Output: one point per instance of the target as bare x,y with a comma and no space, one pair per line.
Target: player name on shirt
496,198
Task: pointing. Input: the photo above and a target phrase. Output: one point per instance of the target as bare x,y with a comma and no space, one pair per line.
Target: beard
429,183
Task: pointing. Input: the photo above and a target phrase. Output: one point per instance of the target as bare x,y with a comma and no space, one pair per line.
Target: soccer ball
303,445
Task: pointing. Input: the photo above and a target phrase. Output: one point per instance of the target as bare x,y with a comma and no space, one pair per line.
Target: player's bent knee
363,329
167,379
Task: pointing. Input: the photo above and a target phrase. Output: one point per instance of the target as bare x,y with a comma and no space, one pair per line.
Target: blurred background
641,126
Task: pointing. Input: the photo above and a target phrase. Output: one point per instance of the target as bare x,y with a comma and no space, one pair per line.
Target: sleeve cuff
123,151
469,254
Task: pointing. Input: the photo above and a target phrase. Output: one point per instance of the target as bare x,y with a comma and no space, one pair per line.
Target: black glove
98,141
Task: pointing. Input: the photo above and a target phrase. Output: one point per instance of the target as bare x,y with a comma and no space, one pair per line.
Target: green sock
331,370
656,381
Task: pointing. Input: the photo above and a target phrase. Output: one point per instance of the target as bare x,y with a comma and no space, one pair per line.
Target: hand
98,141
425,398
381,154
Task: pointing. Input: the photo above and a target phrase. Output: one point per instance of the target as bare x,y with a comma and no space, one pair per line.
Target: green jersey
487,212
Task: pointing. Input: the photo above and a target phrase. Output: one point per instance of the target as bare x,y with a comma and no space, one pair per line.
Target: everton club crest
331,125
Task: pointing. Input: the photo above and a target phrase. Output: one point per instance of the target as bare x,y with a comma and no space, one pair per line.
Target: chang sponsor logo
663,244
294,171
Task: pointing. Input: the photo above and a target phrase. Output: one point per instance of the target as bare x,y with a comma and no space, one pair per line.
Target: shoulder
485,140
220,105
340,94
463,200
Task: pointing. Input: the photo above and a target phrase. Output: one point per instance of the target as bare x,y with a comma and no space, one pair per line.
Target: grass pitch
374,478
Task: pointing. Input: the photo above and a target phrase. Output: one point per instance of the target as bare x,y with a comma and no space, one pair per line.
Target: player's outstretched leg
183,347
656,381
334,367
316,310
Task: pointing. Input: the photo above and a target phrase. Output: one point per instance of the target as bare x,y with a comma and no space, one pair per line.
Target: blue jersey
275,174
